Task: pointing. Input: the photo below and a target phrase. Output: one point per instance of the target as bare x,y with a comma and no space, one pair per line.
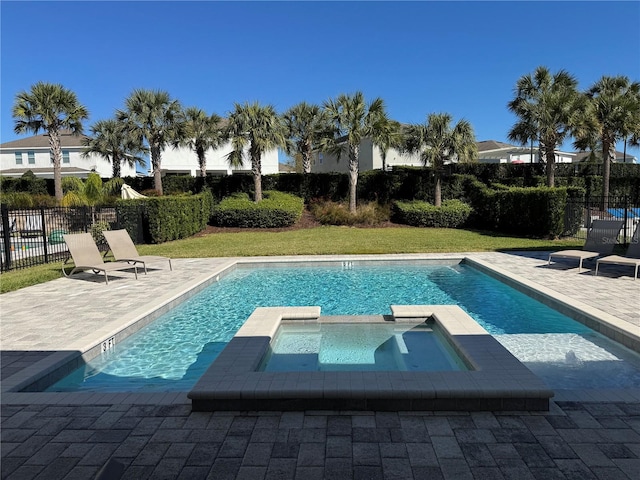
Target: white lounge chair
601,238
631,258
86,256
123,249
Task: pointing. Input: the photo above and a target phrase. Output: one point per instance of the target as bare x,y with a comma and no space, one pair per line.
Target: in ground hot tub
338,344
493,379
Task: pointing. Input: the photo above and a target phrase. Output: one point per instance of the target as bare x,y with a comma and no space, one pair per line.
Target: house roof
619,155
43,172
67,139
488,145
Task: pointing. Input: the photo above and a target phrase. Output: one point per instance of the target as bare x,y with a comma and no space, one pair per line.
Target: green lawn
314,241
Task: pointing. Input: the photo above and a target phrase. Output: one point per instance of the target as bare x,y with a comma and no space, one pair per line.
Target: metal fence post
6,239
44,235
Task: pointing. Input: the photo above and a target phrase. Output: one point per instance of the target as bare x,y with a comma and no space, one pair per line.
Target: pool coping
149,311
497,381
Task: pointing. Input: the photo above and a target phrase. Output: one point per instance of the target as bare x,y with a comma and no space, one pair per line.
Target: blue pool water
335,347
173,352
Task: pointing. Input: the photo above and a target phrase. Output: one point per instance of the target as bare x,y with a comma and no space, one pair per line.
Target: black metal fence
581,212
32,237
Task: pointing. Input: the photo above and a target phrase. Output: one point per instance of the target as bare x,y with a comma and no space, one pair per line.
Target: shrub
332,213
165,218
452,214
276,210
96,231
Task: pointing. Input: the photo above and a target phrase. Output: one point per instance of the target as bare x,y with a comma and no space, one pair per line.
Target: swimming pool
173,352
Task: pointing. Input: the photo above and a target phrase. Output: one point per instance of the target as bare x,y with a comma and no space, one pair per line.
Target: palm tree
78,193
306,126
261,129
158,119
387,134
51,108
111,140
200,133
437,143
613,114
548,105
352,120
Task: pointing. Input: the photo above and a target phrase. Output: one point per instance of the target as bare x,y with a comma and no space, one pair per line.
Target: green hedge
528,211
165,218
277,209
452,214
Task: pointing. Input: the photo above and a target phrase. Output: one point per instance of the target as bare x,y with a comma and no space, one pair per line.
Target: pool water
173,352
359,347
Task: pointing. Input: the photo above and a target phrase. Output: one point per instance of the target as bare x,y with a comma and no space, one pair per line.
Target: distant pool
173,352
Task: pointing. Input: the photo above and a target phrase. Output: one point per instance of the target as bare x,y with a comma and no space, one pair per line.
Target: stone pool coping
497,381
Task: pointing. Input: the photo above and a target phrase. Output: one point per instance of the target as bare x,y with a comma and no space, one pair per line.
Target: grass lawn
314,241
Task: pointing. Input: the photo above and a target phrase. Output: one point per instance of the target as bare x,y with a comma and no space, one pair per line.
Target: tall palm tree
158,118
111,140
51,108
612,115
261,129
200,133
306,125
352,120
549,105
437,143
387,134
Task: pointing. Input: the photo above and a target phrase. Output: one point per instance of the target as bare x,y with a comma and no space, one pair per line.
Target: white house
370,158
619,158
33,153
184,161
491,151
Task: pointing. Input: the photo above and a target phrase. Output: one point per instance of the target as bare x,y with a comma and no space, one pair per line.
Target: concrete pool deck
69,435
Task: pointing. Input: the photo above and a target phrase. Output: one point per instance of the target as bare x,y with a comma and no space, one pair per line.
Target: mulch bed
306,221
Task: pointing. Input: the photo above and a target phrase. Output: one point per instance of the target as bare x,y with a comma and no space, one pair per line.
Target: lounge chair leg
106,277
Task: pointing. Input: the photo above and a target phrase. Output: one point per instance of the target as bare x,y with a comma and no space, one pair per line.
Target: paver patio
585,434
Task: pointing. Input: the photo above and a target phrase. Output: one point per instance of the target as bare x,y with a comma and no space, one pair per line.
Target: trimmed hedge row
276,210
452,214
165,218
523,211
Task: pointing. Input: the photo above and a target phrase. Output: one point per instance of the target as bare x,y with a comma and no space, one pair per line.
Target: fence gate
34,236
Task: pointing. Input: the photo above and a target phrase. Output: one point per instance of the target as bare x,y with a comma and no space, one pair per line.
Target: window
65,156
31,156
18,158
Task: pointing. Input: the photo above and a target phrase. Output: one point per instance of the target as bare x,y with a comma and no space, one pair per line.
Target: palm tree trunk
157,173
115,162
202,161
306,158
551,164
256,170
354,151
384,160
438,190
608,154
54,143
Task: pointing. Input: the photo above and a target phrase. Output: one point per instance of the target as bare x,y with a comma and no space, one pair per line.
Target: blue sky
459,57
